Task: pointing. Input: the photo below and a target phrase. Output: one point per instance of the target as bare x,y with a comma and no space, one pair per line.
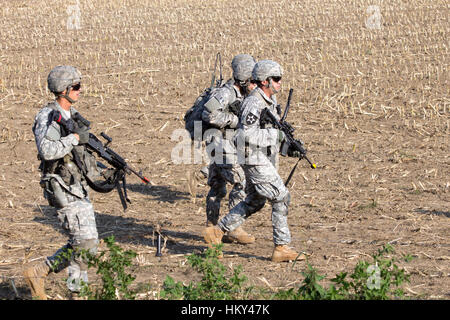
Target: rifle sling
105,187
102,187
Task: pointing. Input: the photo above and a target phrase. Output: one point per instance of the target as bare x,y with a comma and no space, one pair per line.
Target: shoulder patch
251,118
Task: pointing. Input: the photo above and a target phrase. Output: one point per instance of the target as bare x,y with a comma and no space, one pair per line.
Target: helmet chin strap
66,96
272,87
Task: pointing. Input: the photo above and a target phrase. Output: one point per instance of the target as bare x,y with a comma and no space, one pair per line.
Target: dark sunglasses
76,87
276,79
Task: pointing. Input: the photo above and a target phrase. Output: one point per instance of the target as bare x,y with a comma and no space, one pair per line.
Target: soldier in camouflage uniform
221,112
64,185
260,144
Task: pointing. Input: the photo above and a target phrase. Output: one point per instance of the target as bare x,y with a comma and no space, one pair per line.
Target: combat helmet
265,69
242,65
61,78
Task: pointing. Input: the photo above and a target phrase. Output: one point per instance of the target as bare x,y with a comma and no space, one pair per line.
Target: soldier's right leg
78,218
218,190
252,203
235,175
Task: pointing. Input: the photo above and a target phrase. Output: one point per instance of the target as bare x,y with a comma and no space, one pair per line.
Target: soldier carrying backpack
220,111
193,122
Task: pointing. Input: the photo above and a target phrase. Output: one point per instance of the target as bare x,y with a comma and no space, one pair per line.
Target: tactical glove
295,154
83,133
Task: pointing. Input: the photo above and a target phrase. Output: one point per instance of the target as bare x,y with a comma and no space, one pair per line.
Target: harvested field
371,102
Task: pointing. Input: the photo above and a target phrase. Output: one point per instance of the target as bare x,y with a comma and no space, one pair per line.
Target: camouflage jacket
258,144
218,115
55,150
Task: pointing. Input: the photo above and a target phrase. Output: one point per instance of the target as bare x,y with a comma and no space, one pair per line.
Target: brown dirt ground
371,105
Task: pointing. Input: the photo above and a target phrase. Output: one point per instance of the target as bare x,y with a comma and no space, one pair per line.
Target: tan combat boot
238,235
35,278
284,253
213,235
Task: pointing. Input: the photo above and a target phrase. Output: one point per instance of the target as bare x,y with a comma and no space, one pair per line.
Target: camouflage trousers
218,177
263,184
78,220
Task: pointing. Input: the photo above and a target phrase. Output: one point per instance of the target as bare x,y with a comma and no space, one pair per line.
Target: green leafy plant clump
380,279
111,266
215,283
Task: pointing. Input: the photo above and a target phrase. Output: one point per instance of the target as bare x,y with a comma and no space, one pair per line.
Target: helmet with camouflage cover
265,69
61,78
242,65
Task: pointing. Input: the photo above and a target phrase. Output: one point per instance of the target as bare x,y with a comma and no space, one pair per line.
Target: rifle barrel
288,104
144,179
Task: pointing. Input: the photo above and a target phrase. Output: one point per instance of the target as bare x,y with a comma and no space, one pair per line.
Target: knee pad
254,206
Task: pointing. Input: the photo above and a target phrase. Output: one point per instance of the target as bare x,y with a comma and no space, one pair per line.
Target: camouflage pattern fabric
221,117
78,220
223,168
48,138
242,65
74,209
263,184
261,144
263,181
218,177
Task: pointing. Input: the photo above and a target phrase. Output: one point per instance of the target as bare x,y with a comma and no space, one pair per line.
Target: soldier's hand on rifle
295,154
83,133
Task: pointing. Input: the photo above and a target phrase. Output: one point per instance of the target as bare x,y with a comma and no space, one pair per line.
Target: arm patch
251,118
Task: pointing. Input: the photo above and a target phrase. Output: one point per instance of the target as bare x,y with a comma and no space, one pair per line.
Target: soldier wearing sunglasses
258,144
63,182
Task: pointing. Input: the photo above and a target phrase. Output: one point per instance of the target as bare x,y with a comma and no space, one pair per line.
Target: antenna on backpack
213,80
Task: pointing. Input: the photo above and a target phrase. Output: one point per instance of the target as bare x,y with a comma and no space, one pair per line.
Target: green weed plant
111,265
215,283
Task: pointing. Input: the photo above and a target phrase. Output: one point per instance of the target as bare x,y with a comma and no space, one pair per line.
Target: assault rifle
103,151
290,144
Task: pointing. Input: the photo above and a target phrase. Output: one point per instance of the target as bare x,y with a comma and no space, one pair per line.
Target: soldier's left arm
215,112
48,138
